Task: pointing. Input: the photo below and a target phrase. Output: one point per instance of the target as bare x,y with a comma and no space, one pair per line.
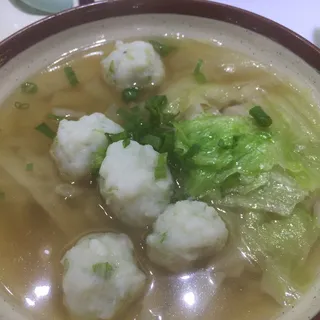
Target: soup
44,212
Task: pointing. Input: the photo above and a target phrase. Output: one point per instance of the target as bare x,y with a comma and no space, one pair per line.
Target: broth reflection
185,297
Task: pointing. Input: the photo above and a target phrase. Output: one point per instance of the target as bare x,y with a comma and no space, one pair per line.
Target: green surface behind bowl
51,6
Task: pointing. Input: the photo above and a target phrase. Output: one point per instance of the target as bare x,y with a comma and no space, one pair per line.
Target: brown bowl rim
93,11
89,12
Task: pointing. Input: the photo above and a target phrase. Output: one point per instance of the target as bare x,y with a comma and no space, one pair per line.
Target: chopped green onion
54,117
29,87
46,130
153,141
168,142
150,125
2,195
134,122
130,94
117,136
185,161
260,116
156,102
155,105
160,171
96,160
29,167
66,265
72,77
21,105
125,142
111,67
162,49
163,237
198,75
103,269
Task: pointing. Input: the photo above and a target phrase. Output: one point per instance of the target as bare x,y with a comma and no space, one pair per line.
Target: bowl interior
216,32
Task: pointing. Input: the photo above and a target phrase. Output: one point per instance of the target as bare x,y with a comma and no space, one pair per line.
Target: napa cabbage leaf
240,164
280,248
296,123
189,99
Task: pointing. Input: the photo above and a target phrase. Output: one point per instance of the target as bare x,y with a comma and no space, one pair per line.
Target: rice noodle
67,113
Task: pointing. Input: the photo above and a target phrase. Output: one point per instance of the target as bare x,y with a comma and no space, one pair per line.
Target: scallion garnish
151,124
103,269
153,141
66,265
162,49
111,67
130,94
117,136
198,75
163,237
21,105
29,87
46,130
29,167
72,77
179,162
167,142
97,159
260,116
125,142
156,105
160,171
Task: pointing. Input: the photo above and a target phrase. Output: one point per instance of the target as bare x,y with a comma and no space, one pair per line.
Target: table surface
300,16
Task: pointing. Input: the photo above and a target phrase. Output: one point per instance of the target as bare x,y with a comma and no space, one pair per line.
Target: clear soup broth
39,222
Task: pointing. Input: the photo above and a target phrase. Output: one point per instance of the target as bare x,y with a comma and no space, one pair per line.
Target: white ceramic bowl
31,49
